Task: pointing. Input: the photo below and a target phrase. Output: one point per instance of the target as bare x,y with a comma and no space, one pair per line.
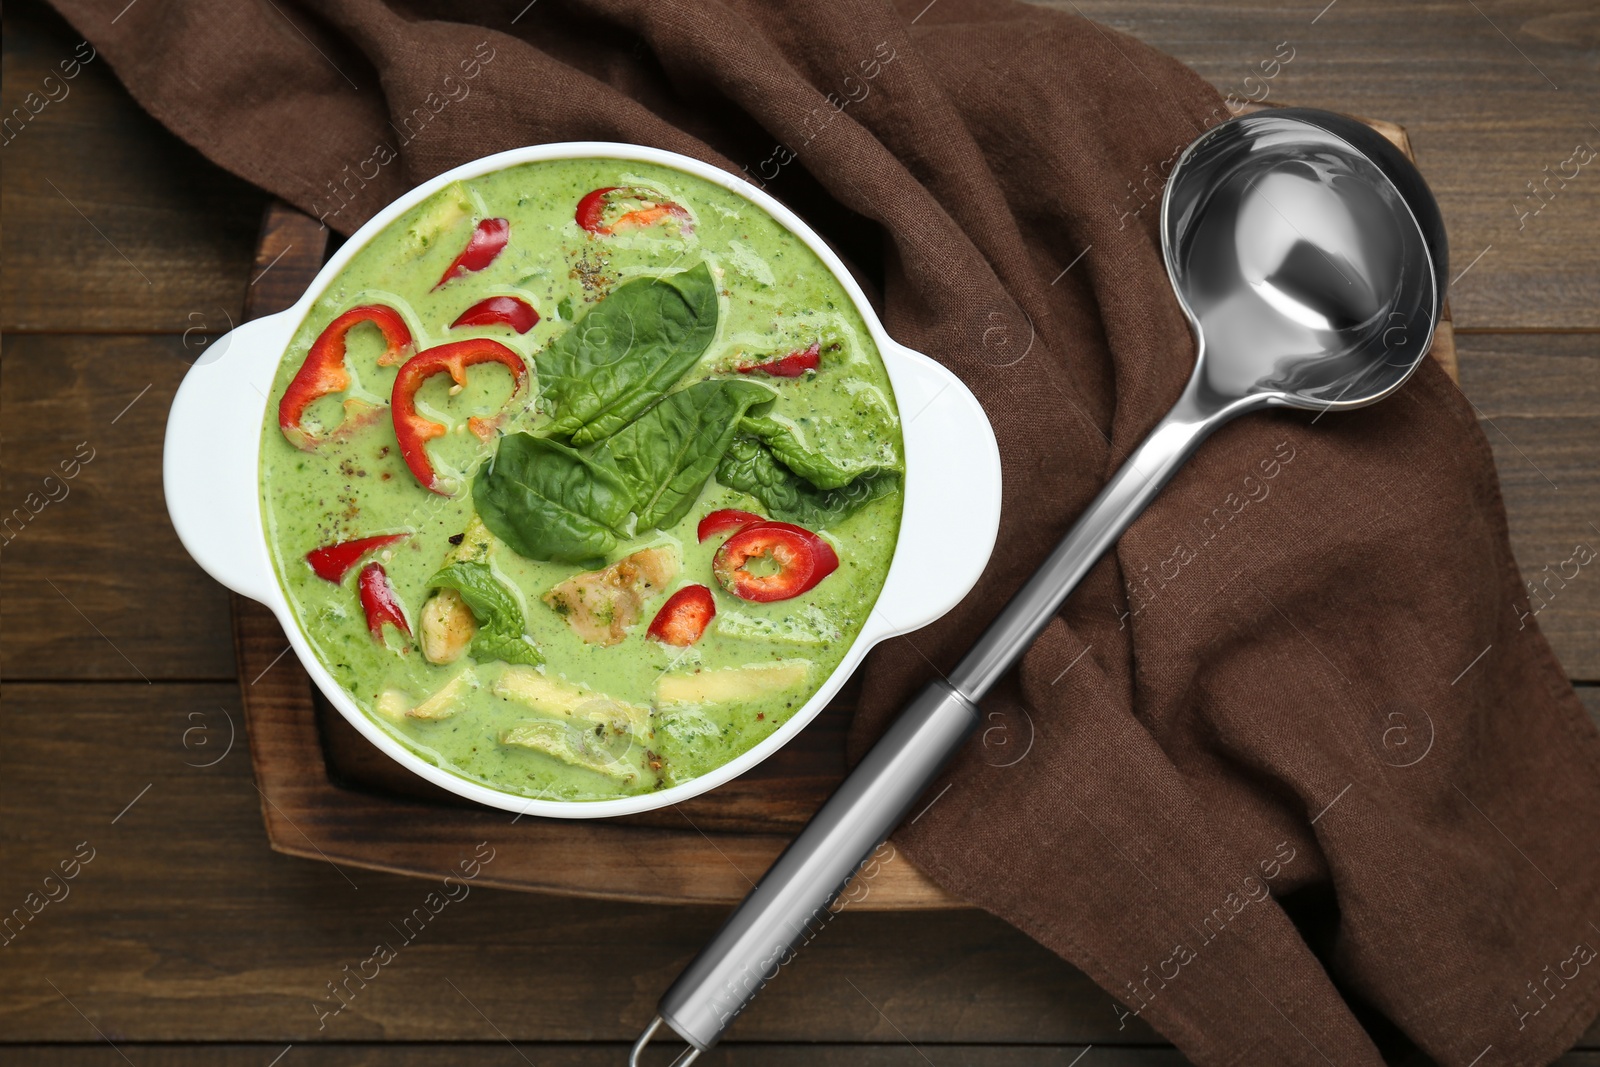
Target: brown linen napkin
1308,668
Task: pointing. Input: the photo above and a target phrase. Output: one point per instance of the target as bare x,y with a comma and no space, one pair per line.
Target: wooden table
186,941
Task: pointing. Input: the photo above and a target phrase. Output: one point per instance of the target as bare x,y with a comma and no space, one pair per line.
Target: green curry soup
537,617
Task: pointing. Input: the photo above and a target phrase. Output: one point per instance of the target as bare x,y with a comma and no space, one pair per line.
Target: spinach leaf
500,628
627,351
789,444
749,466
665,455
550,502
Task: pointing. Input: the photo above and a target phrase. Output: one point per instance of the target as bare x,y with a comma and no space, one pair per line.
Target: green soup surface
508,677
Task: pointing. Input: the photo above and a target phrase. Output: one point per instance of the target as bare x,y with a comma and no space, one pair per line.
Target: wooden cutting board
327,794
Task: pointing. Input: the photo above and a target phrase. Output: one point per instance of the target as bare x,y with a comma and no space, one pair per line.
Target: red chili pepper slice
333,562
651,210
827,558
803,559
791,366
379,601
324,370
592,207
488,238
724,520
413,430
684,617
509,311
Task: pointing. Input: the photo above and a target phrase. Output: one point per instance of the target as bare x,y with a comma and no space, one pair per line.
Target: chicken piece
601,605
446,627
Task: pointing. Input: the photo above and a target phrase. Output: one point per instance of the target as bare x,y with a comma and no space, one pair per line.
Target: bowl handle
952,496
211,451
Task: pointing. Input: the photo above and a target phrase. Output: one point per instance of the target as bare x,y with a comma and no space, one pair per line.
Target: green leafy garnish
500,628
551,502
790,445
626,352
665,455
749,466
608,380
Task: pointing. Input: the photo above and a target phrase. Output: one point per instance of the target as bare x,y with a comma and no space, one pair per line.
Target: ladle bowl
1309,257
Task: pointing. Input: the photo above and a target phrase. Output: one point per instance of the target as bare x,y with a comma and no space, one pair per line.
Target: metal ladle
1310,258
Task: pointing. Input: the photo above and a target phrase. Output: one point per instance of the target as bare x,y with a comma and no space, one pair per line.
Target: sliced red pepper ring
595,205
489,237
684,617
827,558
334,561
791,366
413,430
723,521
324,371
380,603
801,557
512,311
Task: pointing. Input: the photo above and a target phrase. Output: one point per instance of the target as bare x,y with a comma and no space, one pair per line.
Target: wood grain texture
186,927
504,1054
1465,81
288,253
111,222
1538,402
93,581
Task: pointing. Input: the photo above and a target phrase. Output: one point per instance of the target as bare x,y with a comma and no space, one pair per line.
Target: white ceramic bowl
952,481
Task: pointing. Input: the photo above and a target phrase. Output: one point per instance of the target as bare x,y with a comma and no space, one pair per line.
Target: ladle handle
792,901
1125,496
